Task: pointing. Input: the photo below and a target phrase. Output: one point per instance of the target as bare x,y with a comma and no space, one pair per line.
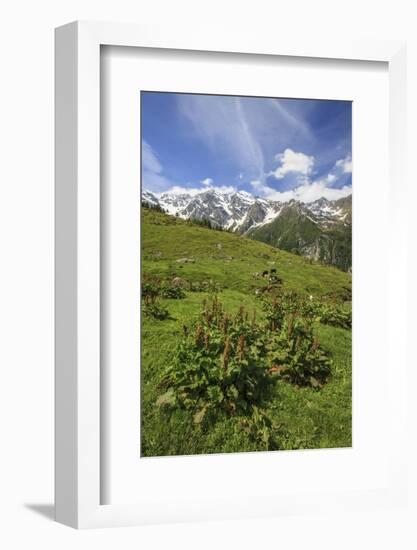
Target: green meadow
188,269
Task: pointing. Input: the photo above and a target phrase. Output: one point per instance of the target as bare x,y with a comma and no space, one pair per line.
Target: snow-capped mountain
320,230
240,211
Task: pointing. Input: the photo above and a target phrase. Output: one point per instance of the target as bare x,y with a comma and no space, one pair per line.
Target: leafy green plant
220,364
209,286
334,315
153,286
283,303
155,310
260,428
172,292
230,363
296,355
150,289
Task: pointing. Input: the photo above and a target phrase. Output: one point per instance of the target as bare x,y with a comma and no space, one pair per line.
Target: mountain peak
239,210
322,200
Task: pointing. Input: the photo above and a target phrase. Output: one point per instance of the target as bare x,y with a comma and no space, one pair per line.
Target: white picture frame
78,405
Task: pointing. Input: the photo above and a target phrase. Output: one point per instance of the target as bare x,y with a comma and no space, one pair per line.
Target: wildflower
241,347
226,352
206,340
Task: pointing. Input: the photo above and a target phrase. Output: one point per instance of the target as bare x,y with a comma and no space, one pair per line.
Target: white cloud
316,190
179,190
306,192
261,188
311,192
293,162
341,167
207,181
345,164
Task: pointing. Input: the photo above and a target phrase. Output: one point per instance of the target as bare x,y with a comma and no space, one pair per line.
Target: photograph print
246,274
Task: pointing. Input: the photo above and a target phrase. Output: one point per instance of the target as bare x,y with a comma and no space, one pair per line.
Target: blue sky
273,148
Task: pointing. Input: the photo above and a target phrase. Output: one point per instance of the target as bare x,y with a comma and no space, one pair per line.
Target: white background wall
26,268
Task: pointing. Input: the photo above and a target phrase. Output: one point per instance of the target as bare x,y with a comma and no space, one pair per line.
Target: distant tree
206,222
155,207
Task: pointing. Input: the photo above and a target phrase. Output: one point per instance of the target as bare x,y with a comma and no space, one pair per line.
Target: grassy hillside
296,232
204,262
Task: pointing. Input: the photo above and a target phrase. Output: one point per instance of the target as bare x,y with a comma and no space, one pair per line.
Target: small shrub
297,356
333,315
155,310
172,292
208,286
153,287
284,303
279,306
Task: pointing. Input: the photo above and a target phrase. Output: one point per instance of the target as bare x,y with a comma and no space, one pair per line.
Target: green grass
304,418
290,229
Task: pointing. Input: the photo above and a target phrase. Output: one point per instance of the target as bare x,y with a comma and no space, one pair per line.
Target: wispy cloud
295,122
150,161
152,170
223,125
250,143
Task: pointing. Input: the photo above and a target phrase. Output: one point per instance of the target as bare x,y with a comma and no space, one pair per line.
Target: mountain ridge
320,230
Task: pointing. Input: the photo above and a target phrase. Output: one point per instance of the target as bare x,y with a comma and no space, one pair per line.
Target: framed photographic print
246,320
226,320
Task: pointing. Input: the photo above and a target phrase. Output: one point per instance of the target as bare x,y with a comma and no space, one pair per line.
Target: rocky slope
321,231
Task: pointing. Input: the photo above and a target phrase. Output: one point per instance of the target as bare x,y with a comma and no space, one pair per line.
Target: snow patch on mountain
240,211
